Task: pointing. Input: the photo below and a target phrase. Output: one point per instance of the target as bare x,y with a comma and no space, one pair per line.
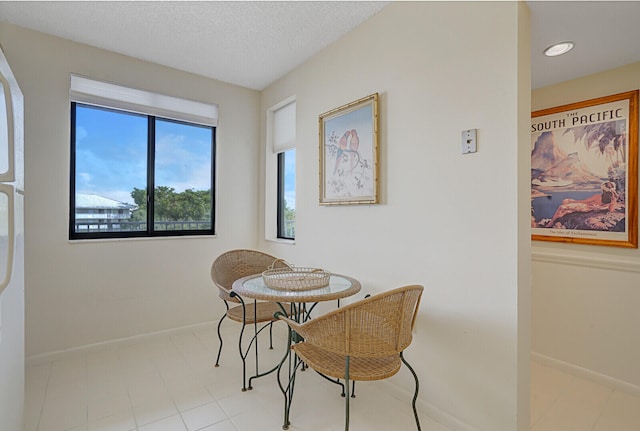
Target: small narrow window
284,140
287,194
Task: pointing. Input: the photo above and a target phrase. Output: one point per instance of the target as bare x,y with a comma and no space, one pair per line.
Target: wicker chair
361,341
229,267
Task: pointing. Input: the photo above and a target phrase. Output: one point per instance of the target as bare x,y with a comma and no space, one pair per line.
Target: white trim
119,342
585,373
591,262
282,241
140,238
94,92
271,173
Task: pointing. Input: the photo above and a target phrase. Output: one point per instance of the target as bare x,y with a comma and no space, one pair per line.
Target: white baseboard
609,263
428,409
119,342
584,373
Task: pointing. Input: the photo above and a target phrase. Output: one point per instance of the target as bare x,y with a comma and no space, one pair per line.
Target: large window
134,174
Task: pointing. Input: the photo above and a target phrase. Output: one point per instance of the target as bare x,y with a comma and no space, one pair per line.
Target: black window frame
150,232
280,219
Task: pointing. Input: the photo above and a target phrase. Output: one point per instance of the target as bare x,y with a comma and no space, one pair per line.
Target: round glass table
253,286
294,304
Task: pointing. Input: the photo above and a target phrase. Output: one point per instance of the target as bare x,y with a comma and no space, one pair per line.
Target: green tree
140,198
289,213
189,205
290,216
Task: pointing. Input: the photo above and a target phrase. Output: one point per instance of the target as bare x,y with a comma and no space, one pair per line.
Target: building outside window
95,213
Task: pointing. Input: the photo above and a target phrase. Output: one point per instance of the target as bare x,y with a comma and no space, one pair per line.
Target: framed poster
349,153
584,172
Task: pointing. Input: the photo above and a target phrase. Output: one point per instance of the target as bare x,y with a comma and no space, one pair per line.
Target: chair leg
242,356
220,335
346,381
271,336
415,395
255,340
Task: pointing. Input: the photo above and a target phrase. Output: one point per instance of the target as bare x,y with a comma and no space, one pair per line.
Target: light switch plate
469,142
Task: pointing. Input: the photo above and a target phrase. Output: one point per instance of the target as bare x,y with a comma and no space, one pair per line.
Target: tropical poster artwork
348,166
580,174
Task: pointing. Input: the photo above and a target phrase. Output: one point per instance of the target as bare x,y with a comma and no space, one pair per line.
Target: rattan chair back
225,270
378,326
362,341
235,264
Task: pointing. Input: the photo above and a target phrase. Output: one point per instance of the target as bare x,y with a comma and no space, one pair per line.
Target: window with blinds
142,164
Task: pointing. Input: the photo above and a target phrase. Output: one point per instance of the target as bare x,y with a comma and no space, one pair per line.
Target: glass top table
253,286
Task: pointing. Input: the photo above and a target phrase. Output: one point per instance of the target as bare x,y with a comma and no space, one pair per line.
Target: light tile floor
168,383
562,402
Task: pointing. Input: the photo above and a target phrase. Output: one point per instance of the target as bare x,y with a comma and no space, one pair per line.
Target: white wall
457,224
12,309
585,298
85,292
449,221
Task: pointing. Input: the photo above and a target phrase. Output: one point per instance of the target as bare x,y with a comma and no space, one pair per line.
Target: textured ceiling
252,44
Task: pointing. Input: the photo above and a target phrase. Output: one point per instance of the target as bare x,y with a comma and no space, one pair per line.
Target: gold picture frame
349,153
584,172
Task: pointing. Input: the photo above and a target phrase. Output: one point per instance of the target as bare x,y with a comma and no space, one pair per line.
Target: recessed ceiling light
558,49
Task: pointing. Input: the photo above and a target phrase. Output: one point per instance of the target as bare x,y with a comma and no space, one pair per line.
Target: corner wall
585,298
12,360
85,292
449,221
12,312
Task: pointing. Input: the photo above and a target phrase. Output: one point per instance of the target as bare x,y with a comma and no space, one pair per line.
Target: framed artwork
584,172
349,153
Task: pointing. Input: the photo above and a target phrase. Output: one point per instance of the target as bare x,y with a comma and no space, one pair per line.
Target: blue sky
290,178
111,154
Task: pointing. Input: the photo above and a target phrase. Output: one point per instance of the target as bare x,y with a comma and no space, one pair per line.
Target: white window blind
284,128
93,92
